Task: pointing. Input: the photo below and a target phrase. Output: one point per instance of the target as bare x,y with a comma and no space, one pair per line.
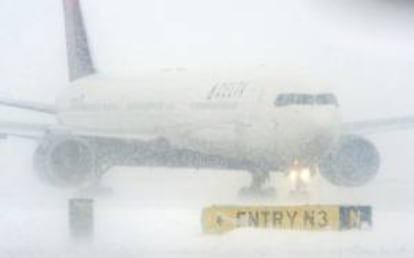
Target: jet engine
65,161
354,162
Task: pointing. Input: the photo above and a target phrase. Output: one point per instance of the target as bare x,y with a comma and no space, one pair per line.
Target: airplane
259,124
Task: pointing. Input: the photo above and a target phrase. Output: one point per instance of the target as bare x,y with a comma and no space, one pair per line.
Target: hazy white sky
364,49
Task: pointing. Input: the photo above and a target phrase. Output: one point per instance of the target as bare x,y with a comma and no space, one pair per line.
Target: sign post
81,218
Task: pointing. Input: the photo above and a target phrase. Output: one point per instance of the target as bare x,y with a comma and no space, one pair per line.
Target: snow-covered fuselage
242,119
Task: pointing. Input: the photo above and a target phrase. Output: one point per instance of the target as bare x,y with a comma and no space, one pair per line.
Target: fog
363,48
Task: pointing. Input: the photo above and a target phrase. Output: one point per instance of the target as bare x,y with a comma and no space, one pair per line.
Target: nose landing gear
300,177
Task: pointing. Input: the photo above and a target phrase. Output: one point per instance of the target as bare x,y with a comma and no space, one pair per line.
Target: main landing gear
256,188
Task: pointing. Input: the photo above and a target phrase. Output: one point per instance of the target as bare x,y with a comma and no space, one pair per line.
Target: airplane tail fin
80,63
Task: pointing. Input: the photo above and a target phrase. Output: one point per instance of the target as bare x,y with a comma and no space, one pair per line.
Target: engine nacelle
65,161
354,162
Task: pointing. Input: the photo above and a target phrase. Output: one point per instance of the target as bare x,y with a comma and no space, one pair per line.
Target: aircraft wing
24,130
380,125
37,131
27,105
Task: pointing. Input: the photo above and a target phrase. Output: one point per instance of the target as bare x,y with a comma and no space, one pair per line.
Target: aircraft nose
318,144
322,131
308,135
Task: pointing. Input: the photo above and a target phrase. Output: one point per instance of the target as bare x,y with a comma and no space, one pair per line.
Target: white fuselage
231,118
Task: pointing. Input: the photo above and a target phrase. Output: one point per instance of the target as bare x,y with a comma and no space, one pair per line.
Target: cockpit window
326,99
288,99
305,99
284,99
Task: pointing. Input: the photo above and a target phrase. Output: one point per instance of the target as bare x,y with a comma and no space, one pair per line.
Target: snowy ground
156,213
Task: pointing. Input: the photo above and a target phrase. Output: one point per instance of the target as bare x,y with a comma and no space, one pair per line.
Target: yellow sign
221,219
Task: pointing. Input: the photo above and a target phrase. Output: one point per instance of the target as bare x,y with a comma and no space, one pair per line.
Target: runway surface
156,212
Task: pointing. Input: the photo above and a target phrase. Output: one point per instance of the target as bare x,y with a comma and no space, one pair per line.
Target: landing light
293,175
305,175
